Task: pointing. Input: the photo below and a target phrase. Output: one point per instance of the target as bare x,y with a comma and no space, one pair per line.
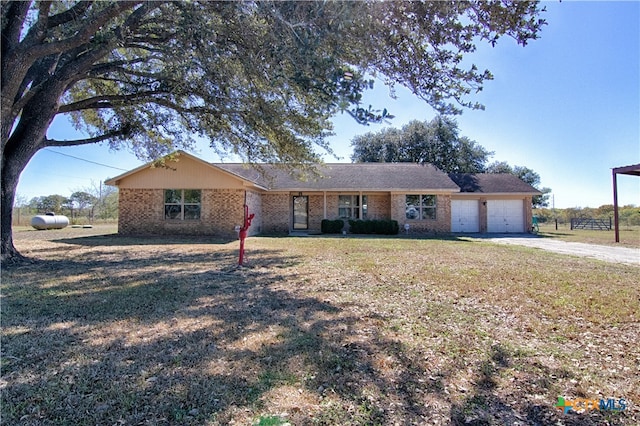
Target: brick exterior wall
140,208
316,211
254,202
378,206
141,212
332,205
482,215
222,211
442,222
276,213
528,213
276,210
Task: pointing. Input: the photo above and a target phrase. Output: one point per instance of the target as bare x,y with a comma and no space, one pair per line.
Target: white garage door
505,216
464,216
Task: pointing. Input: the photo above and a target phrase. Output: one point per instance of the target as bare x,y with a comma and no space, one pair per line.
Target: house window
420,207
182,204
349,207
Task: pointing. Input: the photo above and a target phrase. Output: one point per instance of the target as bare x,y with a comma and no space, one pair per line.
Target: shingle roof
492,183
350,176
402,177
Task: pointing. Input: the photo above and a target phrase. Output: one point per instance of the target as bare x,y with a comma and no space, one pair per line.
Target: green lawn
102,329
629,235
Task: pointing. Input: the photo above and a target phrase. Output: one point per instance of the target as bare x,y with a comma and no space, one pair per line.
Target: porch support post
615,206
360,206
324,204
633,170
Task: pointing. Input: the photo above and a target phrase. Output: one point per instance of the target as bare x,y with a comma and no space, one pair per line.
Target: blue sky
566,105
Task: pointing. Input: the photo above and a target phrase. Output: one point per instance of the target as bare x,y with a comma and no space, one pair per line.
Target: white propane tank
42,222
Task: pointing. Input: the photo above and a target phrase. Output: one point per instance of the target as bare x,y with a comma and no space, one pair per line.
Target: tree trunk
13,163
27,139
9,184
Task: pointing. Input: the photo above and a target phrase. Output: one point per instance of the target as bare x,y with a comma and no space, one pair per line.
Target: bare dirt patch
109,330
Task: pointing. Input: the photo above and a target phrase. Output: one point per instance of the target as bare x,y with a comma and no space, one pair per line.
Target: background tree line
85,205
440,143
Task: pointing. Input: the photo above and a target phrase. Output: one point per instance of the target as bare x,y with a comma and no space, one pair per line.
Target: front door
300,212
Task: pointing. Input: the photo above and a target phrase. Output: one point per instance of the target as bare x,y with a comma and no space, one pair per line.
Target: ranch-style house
190,196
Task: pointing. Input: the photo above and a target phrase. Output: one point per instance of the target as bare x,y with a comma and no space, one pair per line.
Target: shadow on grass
553,234
119,336
127,240
485,406
126,336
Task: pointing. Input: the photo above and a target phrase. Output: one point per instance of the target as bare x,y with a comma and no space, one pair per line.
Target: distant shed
633,170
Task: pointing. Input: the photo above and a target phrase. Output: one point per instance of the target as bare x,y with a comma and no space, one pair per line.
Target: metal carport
633,170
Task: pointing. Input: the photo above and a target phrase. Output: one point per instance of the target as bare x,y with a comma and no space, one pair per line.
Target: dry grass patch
106,330
629,235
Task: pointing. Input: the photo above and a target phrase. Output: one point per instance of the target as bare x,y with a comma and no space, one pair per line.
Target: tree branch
101,138
130,45
70,14
36,77
117,66
21,56
13,15
83,35
106,101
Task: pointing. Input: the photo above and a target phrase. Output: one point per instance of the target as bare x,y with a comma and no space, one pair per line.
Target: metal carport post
633,170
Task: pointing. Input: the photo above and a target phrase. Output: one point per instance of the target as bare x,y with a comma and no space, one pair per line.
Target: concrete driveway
607,253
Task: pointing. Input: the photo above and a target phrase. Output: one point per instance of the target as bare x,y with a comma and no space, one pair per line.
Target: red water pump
243,232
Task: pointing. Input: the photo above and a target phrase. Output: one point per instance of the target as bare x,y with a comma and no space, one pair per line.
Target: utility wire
82,159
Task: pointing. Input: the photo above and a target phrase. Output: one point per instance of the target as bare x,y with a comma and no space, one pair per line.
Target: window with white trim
182,204
350,207
420,207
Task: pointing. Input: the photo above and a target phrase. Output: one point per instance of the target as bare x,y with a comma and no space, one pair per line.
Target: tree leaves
209,66
436,142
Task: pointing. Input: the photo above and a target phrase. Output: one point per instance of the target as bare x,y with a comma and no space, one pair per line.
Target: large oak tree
526,175
260,79
436,142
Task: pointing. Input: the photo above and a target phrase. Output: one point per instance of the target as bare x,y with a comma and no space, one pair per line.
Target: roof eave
246,182
390,190
493,194
633,170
